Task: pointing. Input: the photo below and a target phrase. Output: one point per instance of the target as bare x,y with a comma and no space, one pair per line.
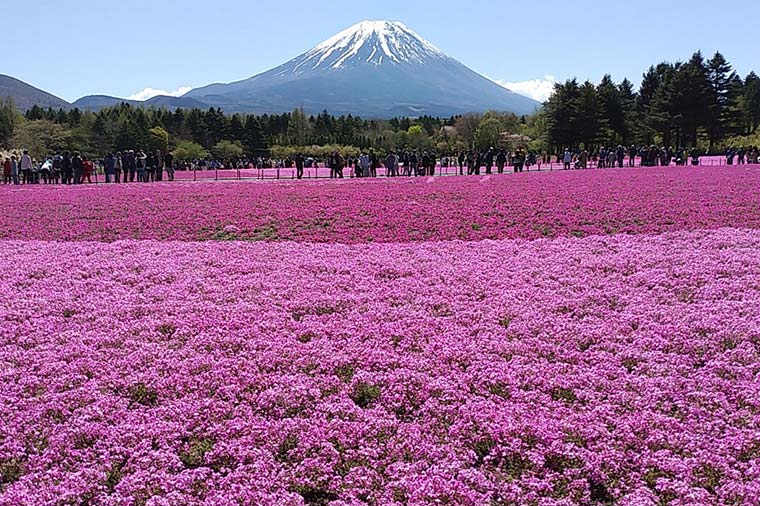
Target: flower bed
552,372
493,207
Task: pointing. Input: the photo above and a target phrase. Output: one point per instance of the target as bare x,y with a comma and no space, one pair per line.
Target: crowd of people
141,166
425,163
742,155
74,168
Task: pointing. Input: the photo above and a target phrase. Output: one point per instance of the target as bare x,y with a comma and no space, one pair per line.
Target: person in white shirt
26,167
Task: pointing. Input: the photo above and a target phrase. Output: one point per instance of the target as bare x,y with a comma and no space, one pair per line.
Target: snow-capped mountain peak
375,69
374,42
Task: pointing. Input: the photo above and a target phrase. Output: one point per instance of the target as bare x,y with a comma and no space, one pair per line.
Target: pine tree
751,101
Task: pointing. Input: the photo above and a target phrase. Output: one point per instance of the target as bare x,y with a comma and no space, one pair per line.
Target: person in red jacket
89,168
7,171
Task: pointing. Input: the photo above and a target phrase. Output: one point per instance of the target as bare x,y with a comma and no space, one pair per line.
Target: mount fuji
377,69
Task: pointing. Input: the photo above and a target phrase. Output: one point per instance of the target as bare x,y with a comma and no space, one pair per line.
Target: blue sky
78,47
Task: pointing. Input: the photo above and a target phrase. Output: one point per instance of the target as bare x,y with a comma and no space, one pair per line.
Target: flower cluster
588,371
530,206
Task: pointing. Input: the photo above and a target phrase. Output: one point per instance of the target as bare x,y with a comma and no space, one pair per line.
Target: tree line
694,104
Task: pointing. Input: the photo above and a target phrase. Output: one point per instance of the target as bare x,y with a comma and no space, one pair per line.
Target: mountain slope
373,69
25,95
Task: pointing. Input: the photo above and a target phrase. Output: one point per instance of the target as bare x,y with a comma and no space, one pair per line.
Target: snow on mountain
374,42
372,69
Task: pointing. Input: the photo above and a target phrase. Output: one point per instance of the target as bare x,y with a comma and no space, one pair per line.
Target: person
425,163
57,168
13,170
489,160
583,158
67,168
78,167
117,166
532,160
26,167
109,167
35,172
432,160
460,160
158,166
391,164
140,164
567,159
632,151
150,167
653,155
730,154
620,156
299,166
501,161
740,155
7,171
132,166
695,157
520,159
169,166
46,170
414,164
332,163
364,165
88,168
407,163
340,163
374,163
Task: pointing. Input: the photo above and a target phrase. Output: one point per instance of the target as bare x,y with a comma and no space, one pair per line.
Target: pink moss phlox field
553,372
528,206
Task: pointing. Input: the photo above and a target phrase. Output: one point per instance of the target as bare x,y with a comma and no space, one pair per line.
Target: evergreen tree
723,97
563,115
611,120
627,99
589,110
7,120
751,101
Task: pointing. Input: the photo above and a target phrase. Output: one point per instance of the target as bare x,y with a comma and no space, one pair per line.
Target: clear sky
121,47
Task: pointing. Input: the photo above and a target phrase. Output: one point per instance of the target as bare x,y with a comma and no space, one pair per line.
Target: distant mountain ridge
97,102
25,96
374,69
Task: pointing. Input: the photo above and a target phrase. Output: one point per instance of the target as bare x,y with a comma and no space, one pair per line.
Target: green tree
655,103
158,138
590,117
7,120
627,97
228,150
41,137
466,126
751,101
418,138
188,151
488,134
298,128
563,115
724,96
